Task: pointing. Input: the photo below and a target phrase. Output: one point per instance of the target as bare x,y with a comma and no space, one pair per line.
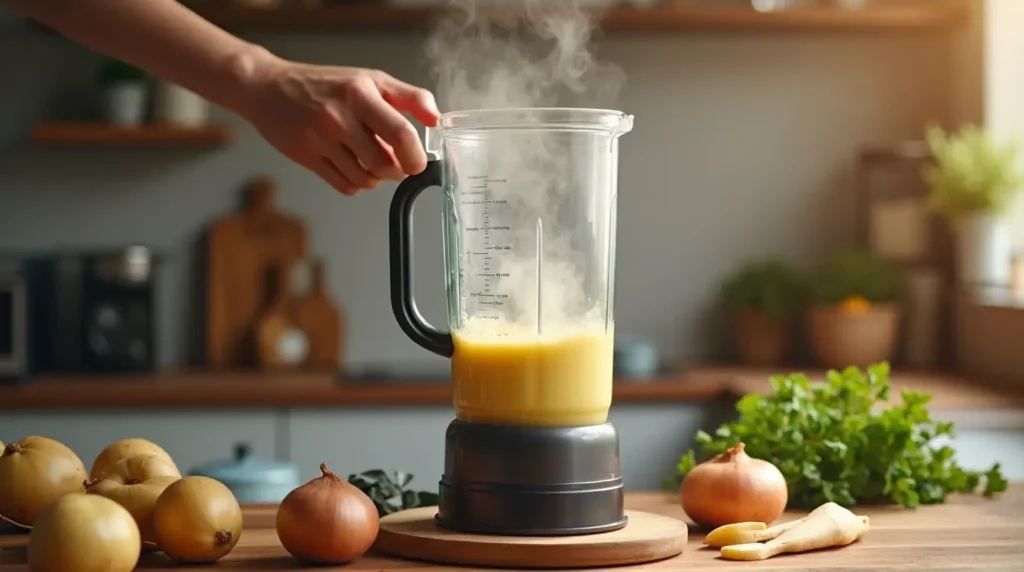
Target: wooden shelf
372,17
104,134
246,390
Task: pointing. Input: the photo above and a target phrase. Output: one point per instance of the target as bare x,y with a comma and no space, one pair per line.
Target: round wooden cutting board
648,537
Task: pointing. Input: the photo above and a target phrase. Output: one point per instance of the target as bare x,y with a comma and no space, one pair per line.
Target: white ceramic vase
126,103
984,250
178,106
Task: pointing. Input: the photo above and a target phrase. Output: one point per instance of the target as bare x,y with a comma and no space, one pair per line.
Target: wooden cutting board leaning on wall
302,327
242,250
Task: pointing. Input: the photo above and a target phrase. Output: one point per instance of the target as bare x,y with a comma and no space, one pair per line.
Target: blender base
531,481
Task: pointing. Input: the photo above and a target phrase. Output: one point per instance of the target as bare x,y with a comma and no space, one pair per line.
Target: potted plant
854,316
973,181
124,92
764,296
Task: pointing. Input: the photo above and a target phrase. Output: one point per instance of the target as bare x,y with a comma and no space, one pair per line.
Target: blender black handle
403,300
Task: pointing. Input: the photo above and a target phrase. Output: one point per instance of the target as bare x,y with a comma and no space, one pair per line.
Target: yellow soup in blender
560,379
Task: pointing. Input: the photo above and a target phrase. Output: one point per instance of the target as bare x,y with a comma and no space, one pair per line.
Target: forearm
160,36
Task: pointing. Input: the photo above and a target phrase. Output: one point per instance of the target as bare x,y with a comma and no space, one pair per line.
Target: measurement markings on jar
481,196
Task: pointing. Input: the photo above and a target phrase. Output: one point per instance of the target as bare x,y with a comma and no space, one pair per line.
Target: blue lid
245,470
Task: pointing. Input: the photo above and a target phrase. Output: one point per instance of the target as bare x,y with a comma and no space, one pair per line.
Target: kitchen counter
967,533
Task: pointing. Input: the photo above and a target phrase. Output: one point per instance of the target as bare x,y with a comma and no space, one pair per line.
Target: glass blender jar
529,217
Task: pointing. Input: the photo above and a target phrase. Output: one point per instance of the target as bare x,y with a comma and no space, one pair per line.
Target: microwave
27,316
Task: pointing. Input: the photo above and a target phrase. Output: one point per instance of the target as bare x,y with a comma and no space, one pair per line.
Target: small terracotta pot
763,341
841,339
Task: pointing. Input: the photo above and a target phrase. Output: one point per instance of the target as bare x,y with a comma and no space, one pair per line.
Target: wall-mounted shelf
370,17
253,389
105,134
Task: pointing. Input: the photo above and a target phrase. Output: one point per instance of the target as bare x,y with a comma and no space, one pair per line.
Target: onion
80,533
327,520
734,487
136,484
126,449
34,472
198,520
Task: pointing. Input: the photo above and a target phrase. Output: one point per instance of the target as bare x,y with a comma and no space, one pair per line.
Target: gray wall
743,146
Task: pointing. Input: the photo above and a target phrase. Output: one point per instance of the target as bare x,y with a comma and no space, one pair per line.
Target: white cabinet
191,438
412,440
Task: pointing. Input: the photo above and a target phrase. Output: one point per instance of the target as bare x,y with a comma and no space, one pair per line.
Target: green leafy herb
856,272
833,445
971,173
388,492
769,286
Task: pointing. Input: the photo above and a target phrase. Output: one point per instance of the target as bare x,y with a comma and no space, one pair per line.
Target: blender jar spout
432,142
624,126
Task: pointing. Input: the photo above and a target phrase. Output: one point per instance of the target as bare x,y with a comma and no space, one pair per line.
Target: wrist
245,71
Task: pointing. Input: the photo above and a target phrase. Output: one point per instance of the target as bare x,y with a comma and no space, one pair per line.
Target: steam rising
519,53
511,185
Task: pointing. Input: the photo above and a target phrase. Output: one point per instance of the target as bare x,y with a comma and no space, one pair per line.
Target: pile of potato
132,498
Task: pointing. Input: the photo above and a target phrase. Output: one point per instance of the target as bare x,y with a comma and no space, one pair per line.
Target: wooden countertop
968,533
248,390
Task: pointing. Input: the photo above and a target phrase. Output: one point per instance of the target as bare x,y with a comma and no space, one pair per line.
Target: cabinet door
191,438
353,441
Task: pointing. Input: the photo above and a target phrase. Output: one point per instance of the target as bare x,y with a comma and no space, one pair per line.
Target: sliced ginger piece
736,533
829,525
746,532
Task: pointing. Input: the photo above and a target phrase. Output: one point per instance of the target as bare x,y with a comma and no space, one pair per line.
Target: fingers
345,162
379,159
404,97
392,128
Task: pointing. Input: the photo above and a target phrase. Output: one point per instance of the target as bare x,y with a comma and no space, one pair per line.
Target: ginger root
827,526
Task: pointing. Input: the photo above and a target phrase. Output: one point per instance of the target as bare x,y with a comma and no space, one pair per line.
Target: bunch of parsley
832,445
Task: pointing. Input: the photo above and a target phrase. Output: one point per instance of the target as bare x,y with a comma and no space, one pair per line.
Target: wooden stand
648,537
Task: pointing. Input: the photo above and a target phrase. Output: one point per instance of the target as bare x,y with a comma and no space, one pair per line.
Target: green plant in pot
973,181
763,297
854,317
125,92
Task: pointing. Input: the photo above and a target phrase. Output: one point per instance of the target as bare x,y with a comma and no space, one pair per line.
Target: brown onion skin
46,470
327,520
734,487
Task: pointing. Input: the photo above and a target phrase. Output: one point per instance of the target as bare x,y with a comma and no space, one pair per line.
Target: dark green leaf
388,492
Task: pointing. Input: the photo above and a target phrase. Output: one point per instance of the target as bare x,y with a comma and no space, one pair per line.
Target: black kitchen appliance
27,316
118,329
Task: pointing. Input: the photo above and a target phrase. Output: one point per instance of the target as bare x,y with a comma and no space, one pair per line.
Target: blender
529,217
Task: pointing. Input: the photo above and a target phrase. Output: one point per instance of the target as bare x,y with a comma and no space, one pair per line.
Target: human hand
342,123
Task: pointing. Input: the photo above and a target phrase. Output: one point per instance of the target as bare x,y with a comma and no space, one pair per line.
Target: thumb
405,97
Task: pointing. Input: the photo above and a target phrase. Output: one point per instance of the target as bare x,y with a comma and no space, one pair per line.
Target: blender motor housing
531,481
